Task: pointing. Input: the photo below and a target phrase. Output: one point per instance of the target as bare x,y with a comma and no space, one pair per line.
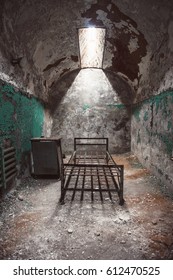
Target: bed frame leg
61,200
121,201
121,186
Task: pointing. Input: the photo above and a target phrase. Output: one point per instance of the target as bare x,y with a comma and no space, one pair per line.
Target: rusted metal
92,169
46,156
8,166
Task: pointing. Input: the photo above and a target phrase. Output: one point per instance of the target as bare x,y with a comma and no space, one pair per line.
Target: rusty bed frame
92,168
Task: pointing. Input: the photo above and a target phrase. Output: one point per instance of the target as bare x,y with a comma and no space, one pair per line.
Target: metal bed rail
91,142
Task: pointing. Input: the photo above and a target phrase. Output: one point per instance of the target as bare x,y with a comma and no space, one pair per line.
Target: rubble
41,228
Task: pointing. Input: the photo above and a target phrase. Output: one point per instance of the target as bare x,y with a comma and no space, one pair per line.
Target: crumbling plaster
39,41
21,118
92,111
39,54
151,135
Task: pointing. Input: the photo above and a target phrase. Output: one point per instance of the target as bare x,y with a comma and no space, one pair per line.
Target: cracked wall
39,42
21,118
87,104
126,43
151,135
39,52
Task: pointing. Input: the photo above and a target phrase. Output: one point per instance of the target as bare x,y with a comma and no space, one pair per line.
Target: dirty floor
33,225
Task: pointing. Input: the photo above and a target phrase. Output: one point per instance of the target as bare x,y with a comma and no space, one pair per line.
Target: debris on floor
33,224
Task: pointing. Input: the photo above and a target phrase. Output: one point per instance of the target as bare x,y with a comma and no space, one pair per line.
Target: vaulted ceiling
39,42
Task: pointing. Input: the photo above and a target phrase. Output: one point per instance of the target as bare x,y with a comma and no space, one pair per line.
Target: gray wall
86,104
152,135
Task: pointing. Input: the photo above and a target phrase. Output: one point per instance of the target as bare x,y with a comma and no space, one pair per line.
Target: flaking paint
152,123
21,118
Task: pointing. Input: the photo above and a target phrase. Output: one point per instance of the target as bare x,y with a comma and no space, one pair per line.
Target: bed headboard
102,142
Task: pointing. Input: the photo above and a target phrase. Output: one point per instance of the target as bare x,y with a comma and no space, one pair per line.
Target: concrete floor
35,226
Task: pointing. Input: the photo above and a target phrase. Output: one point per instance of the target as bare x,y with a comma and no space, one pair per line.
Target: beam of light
91,46
87,108
91,86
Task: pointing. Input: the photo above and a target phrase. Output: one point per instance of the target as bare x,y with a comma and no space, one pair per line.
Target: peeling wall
87,105
152,135
126,45
39,42
21,118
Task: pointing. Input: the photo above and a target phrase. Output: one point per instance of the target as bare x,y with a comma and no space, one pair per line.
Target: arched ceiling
39,43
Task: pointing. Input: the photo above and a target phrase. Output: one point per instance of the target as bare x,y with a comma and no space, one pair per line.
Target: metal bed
92,169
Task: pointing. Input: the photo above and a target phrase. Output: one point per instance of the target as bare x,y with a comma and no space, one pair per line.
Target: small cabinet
46,156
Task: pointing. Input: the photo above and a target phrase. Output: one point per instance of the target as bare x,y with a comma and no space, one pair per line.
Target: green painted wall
21,118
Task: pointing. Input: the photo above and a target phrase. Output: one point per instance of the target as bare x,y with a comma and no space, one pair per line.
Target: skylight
91,46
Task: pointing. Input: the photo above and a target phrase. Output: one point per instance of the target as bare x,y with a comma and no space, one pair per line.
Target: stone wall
152,135
39,41
87,104
21,118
